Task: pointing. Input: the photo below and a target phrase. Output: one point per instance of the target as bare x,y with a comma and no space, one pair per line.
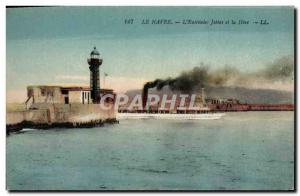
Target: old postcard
150,98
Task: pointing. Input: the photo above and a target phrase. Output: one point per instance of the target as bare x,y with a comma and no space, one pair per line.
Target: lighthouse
95,61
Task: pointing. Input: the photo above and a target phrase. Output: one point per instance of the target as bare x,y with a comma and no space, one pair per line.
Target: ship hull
202,116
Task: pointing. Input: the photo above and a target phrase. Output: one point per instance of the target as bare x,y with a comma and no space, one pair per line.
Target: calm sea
242,151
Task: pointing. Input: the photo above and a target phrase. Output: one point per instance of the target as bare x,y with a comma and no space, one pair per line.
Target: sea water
241,151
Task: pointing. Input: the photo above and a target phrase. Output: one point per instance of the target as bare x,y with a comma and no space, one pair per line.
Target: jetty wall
37,116
230,107
49,115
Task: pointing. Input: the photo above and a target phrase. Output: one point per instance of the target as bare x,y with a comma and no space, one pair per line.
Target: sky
50,45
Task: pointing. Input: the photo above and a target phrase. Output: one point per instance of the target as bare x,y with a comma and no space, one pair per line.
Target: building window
66,100
30,92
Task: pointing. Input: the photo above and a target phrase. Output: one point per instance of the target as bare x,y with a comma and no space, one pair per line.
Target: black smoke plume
281,70
184,82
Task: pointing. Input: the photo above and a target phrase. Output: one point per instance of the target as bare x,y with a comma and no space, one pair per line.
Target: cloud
122,84
72,77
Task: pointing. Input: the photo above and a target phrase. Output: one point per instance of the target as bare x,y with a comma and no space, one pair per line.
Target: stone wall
37,116
80,113
61,113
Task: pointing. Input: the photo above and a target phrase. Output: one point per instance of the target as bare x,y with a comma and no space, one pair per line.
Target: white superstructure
190,116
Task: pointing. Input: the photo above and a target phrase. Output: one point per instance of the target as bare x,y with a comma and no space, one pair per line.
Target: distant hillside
245,95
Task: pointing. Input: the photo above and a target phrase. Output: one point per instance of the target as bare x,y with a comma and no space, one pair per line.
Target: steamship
180,115
155,112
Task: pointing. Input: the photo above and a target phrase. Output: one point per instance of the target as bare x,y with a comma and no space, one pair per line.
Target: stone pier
48,115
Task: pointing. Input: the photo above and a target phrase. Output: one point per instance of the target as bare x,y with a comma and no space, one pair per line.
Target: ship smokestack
158,84
145,96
